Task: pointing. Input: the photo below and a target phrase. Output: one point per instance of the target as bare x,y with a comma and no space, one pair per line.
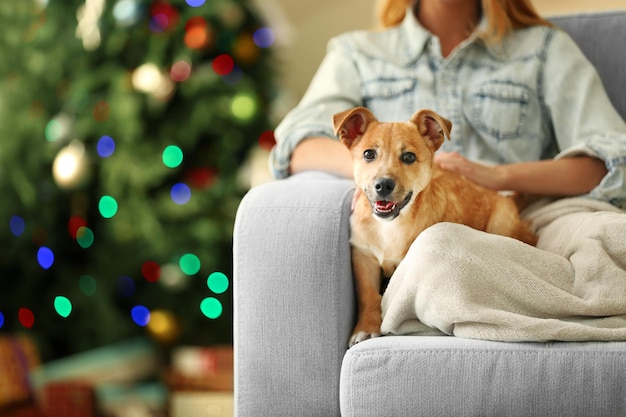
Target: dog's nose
384,186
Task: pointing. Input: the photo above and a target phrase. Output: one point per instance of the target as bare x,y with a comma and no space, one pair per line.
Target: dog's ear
351,124
432,126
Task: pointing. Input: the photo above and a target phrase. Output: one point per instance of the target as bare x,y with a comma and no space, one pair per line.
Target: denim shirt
532,96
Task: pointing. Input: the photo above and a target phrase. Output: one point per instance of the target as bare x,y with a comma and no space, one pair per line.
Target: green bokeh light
243,107
84,237
107,206
53,131
63,306
211,307
189,264
217,282
87,285
172,156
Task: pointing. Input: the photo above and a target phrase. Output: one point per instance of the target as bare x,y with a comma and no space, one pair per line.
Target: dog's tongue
385,205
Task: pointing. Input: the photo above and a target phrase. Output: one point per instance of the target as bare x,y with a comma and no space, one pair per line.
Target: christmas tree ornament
70,168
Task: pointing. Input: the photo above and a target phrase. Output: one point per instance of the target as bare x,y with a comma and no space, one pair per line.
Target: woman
529,114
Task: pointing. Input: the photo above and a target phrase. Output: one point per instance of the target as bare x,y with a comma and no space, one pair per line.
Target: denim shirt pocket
499,108
390,99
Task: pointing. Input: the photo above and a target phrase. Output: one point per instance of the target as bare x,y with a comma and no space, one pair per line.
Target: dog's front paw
361,336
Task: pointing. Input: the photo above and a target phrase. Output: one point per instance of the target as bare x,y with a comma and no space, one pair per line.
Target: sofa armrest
294,302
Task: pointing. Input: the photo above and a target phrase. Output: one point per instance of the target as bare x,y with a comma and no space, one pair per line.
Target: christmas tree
124,124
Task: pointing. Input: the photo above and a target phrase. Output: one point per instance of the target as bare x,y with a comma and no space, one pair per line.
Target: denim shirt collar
417,38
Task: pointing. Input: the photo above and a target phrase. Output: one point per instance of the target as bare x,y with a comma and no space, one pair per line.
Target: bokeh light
223,64
164,16
159,22
17,225
172,156
195,3
58,128
70,165
53,130
211,308
189,264
197,33
234,77
264,37
267,140
126,286
243,106
217,282
1,320
87,285
84,237
63,306
26,317
173,278
148,78
107,206
180,193
163,326
201,177
101,111
180,71
126,12
45,257
140,315
106,146
75,223
151,271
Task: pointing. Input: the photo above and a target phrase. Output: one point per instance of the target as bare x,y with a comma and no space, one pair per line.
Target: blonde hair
503,16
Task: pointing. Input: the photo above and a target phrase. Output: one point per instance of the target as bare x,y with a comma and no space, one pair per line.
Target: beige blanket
572,287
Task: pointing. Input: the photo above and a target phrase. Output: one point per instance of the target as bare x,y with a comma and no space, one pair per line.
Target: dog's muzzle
389,210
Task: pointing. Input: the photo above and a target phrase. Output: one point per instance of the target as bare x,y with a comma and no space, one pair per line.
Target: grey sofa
294,308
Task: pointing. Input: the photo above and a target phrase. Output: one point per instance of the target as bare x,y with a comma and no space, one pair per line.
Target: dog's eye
408,157
369,155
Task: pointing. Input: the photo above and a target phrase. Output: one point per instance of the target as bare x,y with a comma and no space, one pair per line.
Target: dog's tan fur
383,228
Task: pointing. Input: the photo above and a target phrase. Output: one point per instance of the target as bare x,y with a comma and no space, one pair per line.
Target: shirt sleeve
583,118
334,88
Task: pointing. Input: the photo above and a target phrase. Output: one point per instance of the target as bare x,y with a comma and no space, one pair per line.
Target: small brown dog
402,193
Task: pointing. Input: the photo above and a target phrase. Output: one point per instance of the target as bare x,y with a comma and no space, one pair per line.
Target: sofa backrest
602,38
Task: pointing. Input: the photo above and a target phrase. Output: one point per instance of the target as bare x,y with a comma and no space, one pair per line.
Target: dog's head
392,162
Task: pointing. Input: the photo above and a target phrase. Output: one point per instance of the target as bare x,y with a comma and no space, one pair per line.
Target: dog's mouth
390,209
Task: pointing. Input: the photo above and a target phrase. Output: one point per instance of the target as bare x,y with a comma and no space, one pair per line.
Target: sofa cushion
450,376
600,36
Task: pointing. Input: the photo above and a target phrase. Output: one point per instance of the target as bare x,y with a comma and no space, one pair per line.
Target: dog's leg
366,272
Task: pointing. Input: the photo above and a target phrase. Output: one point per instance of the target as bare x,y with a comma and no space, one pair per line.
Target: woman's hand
485,175
555,177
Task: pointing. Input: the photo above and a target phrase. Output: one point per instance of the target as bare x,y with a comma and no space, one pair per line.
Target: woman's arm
558,177
321,154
